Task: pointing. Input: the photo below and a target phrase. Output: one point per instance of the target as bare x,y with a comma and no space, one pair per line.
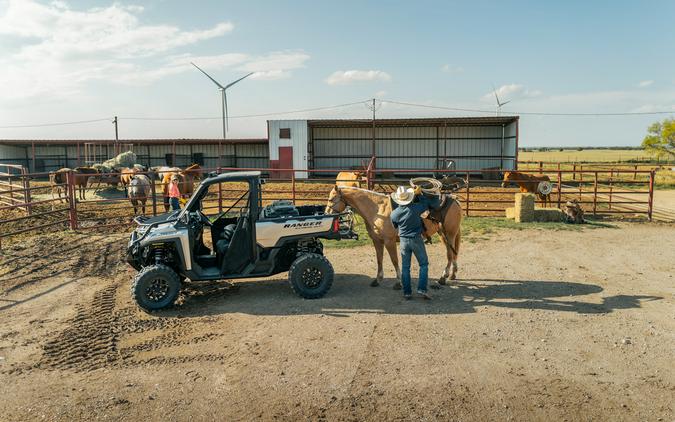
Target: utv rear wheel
155,287
311,276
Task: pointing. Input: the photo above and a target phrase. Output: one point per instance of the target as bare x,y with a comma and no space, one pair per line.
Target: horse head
336,203
508,177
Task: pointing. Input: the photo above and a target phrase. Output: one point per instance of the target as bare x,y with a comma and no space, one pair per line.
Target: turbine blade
243,77
505,102
496,96
208,76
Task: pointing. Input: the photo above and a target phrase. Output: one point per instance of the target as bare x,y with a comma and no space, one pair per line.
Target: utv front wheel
155,287
311,276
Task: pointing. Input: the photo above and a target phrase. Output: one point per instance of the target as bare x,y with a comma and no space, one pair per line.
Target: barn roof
182,141
435,121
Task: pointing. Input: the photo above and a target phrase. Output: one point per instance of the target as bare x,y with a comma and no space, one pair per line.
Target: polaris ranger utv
248,240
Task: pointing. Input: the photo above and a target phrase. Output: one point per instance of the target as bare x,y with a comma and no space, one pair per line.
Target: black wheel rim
157,290
312,277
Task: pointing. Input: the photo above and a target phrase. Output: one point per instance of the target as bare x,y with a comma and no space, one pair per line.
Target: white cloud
644,84
343,77
57,50
453,70
511,91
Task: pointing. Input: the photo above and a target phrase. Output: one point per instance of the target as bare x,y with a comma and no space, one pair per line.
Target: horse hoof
441,282
374,283
453,277
398,285
436,286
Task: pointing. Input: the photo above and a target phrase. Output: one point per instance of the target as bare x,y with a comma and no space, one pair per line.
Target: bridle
337,199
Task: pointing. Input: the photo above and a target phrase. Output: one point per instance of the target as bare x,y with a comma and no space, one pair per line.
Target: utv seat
225,239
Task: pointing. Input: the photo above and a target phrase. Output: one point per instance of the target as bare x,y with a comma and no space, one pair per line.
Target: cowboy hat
403,195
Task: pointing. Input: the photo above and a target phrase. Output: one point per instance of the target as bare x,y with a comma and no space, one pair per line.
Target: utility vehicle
248,240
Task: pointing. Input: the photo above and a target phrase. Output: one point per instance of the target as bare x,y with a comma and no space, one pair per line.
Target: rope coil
429,186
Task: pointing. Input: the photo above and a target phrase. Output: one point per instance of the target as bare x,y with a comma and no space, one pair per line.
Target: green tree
660,139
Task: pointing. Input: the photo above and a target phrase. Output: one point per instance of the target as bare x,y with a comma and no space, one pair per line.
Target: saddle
438,214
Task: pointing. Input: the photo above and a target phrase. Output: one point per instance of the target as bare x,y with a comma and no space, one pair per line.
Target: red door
285,162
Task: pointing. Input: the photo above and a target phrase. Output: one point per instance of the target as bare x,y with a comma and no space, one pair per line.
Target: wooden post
26,186
559,185
574,172
467,194
611,179
650,210
595,193
541,167
635,173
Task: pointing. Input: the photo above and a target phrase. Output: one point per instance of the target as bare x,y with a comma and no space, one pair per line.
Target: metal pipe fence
88,207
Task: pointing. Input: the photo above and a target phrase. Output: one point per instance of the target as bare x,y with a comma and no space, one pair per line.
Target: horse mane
363,190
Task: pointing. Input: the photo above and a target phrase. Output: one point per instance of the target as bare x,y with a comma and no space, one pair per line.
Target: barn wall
298,141
431,147
10,154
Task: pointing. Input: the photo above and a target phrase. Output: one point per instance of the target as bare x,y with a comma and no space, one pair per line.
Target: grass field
586,155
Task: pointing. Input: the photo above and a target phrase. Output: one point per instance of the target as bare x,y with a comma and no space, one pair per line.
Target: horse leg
391,249
379,252
457,242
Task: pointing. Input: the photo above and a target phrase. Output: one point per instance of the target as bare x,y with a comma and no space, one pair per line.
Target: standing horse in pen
186,182
376,208
529,183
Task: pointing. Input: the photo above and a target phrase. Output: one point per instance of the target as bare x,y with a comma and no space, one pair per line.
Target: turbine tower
223,94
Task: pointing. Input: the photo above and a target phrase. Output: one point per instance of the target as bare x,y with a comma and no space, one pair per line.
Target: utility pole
373,106
116,136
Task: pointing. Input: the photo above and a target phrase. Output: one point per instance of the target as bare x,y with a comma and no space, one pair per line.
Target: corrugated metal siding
470,147
9,152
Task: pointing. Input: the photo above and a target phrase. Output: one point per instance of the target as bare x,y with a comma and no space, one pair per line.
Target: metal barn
469,143
48,155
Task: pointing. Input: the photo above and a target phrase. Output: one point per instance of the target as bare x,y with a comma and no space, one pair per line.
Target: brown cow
186,182
528,183
81,177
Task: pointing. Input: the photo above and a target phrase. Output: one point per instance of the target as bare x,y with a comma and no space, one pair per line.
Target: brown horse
58,180
376,208
186,182
81,176
528,183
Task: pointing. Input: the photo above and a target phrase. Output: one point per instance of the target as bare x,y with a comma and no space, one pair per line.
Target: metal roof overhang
257,141
441,121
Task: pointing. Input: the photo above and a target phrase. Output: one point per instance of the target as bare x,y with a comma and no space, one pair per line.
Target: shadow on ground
352,294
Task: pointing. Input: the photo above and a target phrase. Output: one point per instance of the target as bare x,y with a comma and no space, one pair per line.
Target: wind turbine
223,93
499,104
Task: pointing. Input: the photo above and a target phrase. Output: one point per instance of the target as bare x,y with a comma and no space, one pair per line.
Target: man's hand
418,190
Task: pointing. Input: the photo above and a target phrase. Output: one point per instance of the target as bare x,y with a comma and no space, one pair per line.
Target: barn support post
595,193
173,154
650,210
467,193
32,157
153,190
72,208
559,185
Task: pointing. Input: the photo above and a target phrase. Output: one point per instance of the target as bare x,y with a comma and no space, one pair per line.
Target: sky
73,61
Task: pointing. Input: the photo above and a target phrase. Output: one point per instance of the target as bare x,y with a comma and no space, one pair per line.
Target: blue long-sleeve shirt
407,218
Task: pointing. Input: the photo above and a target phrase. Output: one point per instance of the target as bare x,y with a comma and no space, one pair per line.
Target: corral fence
36,205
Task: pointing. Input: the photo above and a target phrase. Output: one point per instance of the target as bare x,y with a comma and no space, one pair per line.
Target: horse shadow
351,294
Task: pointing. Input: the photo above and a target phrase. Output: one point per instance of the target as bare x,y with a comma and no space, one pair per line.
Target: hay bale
524,209
511,212
547,215
125,159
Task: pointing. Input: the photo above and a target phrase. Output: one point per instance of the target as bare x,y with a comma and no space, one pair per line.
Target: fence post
651,194
220,194
595,193
635,173
72,208
153,189
559,185
611,179
293,186
541,167
467,194
574,172
26,186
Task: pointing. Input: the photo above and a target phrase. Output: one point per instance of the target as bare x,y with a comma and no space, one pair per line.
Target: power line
533,113
55,124
251,115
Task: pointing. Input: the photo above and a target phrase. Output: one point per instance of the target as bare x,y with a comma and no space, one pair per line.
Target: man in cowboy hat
407,219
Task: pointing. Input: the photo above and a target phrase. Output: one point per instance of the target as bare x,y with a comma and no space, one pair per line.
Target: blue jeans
175,205
414,246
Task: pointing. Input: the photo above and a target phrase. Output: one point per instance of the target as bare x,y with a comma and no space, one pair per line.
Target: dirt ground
568,325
